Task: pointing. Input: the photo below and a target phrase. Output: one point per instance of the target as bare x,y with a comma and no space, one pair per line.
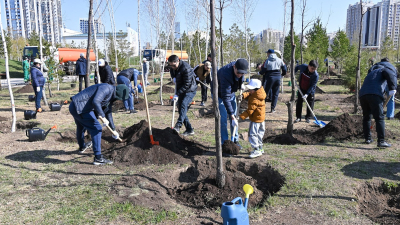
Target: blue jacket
98,98
272,66
38,79
81,66
131,74
379,76
106,74
228,84
314,77
185,78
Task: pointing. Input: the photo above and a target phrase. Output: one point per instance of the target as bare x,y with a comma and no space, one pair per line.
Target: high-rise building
270,38
84,25
23,18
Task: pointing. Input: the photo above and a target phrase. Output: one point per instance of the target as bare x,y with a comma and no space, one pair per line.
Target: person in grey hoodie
271,70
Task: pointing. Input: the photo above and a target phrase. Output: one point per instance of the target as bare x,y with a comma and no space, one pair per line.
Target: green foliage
8,43
317,45
123,51
340,48
288,48
350,65
388,49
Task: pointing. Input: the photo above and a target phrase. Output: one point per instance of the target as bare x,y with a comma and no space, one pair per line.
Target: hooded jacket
379,76
38,79
106,74
81,66
313,78
256,106
129,73
272,66
185,78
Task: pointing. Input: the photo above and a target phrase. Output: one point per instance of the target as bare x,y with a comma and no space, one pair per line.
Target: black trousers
203,91
373,105
299,104
82,78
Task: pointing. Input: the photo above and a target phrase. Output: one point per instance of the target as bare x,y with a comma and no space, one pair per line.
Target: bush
350,66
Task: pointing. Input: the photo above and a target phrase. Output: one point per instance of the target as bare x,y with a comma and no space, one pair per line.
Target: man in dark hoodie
379,76
81,70
186,88
106,74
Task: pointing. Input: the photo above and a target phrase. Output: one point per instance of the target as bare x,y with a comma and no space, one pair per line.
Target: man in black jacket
106,73
81,70
94,101
126,77
185,91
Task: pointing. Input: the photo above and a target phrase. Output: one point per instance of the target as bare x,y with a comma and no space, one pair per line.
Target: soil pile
26,125
379,202
166,89
207,113
319,90
118,105
280,136
25,89
350,99
201,190
230,148
332,82
137,149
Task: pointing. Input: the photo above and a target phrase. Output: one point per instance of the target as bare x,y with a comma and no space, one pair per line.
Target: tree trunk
162,74
220,178
87,84
283,40
358,83
14,117
221,36
95,51
292,98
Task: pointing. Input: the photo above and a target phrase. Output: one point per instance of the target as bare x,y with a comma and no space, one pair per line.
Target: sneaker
101,161
390,118
261,150
126,110
383,144
254,154
187,133
237,143
307,120
202,104
368,141
87,146
177,129
133,111
40,110
297,120
268,100
273,111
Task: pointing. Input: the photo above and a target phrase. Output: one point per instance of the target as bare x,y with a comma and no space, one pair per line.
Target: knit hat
270,51
121,92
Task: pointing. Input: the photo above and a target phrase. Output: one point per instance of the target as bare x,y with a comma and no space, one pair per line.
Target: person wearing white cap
256,112
38,82
106,73
80,68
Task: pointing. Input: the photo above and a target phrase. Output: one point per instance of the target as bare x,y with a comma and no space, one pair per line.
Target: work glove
234,121
175,98
115,135
305,96
392,92
198,79
37,89
242,87
174,80
104,121
240,98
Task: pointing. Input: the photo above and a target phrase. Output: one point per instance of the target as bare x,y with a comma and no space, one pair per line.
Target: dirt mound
332,82
379,202
350,99
230,148
319,90
201,190
25,89
118,105
137,149
208,113
280,136
166,89
26,125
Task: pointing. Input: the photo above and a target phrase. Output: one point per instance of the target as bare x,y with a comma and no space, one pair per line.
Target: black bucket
35,134
32,98
55,107
29,114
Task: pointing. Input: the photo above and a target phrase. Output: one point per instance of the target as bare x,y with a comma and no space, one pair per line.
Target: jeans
183,104
203,92
39,96
390,107
87,121
273,83
129,102
256,134
299,104
145,79
224,120
264,84
373,105
81,79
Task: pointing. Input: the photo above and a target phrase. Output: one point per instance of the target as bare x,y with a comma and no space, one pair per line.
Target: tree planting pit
332,82
229,147
166,89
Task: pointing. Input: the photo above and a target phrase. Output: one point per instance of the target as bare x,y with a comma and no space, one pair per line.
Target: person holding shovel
308,82
126,77
186,88
202,72
96,101
371,98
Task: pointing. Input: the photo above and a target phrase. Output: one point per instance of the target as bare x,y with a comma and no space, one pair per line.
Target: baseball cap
242,65
253,84
82,55
102,62
270,51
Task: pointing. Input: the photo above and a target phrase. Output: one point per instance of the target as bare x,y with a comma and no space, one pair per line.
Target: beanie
121,92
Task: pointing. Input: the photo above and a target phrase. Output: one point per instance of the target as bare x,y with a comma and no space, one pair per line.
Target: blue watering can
236,214
139,87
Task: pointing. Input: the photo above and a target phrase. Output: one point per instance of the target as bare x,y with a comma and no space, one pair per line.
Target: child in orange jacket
256,112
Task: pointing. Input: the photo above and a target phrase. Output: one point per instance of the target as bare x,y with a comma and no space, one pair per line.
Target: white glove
392,92
305,96
240,98
242,87
174,80
175,98
37,89
116,137
198,79
234,121
104,121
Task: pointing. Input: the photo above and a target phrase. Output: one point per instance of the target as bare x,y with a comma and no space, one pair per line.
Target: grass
14,66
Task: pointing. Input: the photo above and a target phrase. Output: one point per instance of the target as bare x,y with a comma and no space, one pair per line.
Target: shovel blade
320,123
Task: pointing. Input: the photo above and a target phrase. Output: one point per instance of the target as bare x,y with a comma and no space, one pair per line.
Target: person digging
96,101
379,76
186,88
202,72
126,77
256,112
308,82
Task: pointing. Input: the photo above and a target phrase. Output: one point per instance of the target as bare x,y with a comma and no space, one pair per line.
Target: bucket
29,114
290,83
155,80
35,134
31,98
139,87
55,107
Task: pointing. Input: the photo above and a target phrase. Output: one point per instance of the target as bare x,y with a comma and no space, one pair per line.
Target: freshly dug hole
230,147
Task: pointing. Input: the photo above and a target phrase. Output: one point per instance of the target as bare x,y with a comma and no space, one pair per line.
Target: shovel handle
173,115
387,101
111,130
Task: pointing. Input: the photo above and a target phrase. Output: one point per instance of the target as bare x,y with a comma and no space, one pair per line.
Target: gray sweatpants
256,134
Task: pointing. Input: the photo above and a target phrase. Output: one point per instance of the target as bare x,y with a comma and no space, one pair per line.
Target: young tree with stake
292,60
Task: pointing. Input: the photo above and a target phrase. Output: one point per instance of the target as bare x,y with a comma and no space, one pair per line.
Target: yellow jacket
256,106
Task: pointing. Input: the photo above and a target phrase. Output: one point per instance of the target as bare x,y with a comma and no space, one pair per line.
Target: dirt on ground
205,113
138,105
379,202
397,115
25,89
166,89
350,99
229,147
319,90
332,82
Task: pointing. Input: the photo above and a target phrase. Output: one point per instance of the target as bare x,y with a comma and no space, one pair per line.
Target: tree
350,67
340,48
287,52
8,41
304,25
388,48
222,4
88,43
293,51
318,44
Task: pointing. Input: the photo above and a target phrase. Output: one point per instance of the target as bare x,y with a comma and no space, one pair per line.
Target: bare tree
140,55
292,98
222,4
90,19
304,25
41,47
220,178
14,117
114,32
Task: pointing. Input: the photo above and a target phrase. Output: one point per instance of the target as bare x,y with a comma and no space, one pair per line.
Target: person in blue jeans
95,101
389,106
230,80
38,82
126,77
185,90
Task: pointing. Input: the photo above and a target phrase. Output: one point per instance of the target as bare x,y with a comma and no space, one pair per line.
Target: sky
267,14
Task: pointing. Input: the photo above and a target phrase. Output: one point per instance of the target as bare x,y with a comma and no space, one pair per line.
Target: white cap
102,62
144,59
37,61
208,64
253,84
82,55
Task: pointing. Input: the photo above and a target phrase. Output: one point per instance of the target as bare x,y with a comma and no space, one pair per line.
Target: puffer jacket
314,77
38,79
379,76
202,73
129,73
185,78
106,75
273,66
256,106
81,66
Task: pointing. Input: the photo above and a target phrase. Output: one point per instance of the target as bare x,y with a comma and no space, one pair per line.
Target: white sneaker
255,154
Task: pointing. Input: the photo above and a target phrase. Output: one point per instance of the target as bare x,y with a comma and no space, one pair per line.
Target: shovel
204,84
320,123
173,113
387,101
233,134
